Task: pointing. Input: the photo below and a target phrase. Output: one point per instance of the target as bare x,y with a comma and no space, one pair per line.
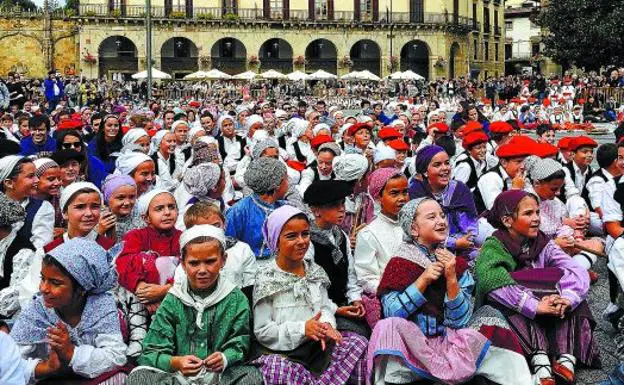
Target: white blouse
279,320
375,245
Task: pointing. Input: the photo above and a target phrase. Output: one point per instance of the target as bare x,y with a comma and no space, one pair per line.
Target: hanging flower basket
299,60
89,59
346,62
253,60
393,63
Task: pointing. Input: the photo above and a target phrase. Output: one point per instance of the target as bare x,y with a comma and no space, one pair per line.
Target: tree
72,4
584,33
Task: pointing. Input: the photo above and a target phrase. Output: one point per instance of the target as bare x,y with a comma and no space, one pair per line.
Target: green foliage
25,5
89,13
116,13
205,16
177,15
230,17
584,33
72,4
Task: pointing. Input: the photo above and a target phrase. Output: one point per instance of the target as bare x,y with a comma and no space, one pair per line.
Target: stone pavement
598,300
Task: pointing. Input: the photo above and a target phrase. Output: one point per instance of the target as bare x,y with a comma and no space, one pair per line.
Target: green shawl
493,268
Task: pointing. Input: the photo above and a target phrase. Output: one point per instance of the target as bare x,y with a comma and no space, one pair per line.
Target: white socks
540,363
567,360
585,259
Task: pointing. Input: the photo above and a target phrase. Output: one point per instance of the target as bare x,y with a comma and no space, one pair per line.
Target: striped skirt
348,366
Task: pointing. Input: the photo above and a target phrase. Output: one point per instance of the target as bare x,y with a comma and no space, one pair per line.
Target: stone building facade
435,38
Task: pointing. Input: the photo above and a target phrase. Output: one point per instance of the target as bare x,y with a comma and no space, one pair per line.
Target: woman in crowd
359,210
139,167
433,180
330,248
538,287
202,183
376,242
201,306
136,138
150,255
294,319
429,332
18,182
300,148
71,329
16,256
106,145
49,188
80,204
169,162
91,166
120,195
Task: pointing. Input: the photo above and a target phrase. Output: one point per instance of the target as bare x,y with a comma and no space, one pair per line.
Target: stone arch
321,54
276,54
117,54
229,55
415,57
179,57
366,55
454,60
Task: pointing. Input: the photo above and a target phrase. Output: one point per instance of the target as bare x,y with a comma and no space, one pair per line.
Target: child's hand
214,362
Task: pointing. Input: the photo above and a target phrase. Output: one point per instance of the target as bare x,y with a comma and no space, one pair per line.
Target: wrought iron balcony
257,15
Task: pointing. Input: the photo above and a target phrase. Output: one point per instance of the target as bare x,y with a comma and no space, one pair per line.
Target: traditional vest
338,273
478,197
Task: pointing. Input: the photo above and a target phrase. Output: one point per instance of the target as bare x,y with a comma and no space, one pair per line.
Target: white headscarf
178,122
350,167
128,161
319,127
70,190
298,127
133,135
7,164
145,199
251,120
198,231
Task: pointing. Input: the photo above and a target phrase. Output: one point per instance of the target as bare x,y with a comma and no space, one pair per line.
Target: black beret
64,156
323,192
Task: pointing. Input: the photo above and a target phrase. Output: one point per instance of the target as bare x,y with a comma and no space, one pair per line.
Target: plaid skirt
348,366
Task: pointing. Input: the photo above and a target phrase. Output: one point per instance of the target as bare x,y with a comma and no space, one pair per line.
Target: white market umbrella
410,75
321,75
396,75
248,75
273,74
196,76
156,74
215,74
297,76
367,75
350,76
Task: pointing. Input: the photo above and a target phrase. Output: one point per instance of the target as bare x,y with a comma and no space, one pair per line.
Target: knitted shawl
493,268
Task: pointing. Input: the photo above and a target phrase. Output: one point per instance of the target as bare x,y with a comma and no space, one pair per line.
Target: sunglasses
67,146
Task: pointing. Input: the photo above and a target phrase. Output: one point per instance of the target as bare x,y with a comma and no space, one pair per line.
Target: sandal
547,380
563,372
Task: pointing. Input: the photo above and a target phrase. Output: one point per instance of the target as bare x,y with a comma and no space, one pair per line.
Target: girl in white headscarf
169,162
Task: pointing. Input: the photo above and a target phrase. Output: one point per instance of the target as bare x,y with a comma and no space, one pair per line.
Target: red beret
195,104
357,127
518,146
546,102
486,101
320,139
389,133
501,102
500,127
532,99
443,128
296,165
544,150
564,143
398,145
581,141
473,139
472,126
69,124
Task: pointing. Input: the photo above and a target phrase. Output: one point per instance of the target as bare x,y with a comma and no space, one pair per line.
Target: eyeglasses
67,146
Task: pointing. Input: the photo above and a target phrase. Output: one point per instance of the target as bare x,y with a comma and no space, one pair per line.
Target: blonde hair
201,210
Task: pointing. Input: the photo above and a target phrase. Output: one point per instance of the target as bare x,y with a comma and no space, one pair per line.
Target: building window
476,50
535,49
486,19
496,49
508,25
474,16
320,9
276,7
495,18
508,51
486,51
366,9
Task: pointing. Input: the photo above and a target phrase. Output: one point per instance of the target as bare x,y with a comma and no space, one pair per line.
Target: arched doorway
321,54
415,57
276,54
117,54
178,57
453,60
229,55
366,55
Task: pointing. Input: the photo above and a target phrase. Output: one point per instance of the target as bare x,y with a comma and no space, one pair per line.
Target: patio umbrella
396,75
410,75
249,75
297,76
367,75
350,75
199,75
321,75
215,74
156,74
273,74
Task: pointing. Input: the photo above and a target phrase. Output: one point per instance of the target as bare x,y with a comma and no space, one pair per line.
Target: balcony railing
275,15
